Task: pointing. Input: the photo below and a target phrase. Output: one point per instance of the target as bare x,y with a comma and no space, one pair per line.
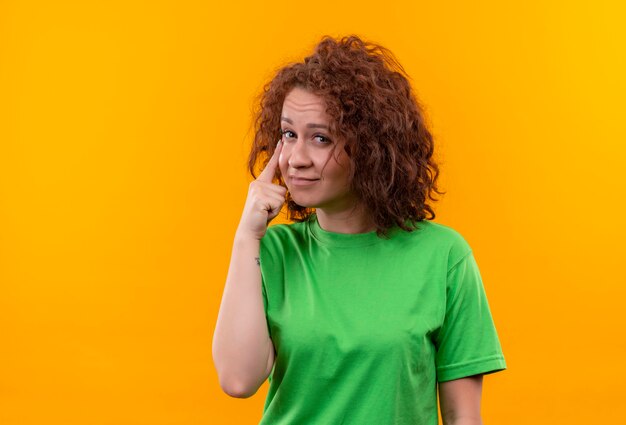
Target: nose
298,155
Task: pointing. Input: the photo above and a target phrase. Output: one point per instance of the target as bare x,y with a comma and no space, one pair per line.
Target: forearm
241,343
459,401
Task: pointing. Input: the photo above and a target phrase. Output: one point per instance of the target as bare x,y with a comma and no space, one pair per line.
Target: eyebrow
309,125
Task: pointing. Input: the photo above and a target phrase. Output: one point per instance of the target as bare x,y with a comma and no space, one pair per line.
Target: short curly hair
371,105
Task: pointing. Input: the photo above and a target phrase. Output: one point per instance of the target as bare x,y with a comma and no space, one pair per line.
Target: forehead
301,102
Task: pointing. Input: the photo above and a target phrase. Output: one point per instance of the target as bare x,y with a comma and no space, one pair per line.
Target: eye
323,139
287,134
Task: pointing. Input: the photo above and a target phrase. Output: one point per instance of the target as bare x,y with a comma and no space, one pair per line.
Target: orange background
124,130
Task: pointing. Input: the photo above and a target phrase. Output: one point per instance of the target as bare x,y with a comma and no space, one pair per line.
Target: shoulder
442,239
280,235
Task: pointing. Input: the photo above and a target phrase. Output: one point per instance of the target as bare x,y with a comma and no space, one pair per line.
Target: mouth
296,181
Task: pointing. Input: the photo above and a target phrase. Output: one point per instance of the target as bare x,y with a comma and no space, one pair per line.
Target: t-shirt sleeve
467,342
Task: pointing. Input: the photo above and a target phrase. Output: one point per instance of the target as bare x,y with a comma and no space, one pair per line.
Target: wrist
244,237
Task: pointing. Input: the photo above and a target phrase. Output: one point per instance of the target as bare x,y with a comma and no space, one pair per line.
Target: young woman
362,308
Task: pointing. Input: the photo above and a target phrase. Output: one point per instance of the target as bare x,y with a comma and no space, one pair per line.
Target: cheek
340,172
339,165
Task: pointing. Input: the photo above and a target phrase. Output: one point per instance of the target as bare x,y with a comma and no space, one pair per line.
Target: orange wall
123,140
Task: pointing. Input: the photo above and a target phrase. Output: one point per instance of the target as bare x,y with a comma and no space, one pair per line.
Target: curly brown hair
371,105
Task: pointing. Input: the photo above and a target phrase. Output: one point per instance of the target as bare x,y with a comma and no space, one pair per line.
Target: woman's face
315,176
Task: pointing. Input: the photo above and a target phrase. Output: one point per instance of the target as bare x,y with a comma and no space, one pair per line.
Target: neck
354,220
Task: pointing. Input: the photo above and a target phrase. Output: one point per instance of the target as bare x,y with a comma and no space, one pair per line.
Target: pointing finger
269,171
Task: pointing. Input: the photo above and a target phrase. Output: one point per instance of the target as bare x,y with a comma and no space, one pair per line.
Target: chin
303,202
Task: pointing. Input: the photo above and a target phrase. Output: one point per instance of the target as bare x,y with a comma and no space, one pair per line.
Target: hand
264,200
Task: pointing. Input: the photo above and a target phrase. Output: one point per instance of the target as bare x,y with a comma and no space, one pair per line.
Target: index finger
269,171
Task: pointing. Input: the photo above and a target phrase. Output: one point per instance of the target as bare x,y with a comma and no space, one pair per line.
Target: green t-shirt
364,327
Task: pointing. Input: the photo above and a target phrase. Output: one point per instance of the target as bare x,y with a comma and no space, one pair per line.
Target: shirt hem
483,366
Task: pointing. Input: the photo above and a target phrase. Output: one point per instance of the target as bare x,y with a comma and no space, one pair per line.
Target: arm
459,401
243,352
467,344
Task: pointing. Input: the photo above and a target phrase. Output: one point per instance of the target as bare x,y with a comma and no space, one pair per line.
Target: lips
301,182
301,178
